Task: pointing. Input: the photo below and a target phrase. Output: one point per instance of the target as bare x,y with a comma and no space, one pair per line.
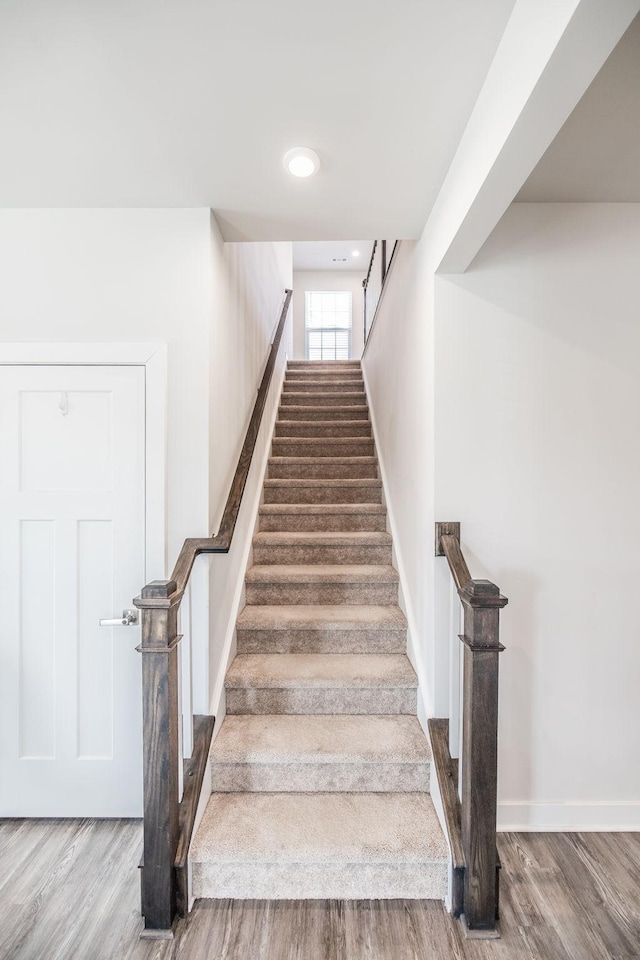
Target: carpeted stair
320,769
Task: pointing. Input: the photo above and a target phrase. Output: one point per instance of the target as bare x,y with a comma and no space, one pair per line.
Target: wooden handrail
365,284
168,823
482,602
386,269
370,268
457,562
221,541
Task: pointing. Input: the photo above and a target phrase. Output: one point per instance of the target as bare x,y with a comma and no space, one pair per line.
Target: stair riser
319,523
358,493
321,386
337,881
322,641
319,429
320,777
319,411
321,553
319,700
322,469
326,447
271,594
347,376
321,399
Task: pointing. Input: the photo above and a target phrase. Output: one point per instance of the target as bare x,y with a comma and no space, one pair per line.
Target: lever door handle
129,618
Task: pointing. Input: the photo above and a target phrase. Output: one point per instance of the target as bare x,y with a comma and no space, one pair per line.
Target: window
327,324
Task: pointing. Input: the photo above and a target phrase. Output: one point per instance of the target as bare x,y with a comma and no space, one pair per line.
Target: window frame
330,330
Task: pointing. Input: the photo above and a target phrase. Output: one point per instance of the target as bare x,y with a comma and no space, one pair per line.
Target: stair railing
382,256
169,810
465,745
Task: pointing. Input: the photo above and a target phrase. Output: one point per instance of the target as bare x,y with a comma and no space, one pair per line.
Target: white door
72,511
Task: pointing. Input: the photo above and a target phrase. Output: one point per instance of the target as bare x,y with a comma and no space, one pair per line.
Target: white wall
350,280
249,281
124,275
537,454
526,434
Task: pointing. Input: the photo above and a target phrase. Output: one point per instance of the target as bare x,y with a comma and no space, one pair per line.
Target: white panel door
72,524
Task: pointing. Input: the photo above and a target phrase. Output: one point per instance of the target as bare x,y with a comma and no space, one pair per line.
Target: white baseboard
570,816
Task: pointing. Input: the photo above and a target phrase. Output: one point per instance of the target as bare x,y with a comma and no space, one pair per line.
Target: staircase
320,770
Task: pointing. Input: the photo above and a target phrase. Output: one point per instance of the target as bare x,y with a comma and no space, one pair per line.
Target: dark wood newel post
159,604
482,603
474,821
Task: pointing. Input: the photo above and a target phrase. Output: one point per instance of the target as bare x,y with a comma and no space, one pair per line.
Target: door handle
129,618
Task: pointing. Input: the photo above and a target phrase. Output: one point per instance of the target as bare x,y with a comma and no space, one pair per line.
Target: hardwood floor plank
518,864
563,898
601,896
43,840
32,888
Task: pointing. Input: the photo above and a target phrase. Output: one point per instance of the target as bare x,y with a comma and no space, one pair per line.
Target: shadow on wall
544,264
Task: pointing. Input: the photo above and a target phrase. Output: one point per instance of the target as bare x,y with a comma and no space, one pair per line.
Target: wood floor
69,891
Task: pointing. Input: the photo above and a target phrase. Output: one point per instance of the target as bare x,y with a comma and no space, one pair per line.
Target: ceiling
596,155
332,255
180,103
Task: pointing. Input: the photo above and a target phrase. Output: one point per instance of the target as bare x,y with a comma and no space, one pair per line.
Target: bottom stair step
295,846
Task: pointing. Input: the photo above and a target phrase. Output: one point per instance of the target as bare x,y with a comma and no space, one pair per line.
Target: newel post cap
482,593
159,588
157,594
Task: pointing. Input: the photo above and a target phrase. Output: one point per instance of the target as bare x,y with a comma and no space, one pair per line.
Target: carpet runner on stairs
320,770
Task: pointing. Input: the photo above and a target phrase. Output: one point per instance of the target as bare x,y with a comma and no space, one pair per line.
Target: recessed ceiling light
356,253
301,161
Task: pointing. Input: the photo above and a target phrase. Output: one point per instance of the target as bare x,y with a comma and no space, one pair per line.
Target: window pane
328,324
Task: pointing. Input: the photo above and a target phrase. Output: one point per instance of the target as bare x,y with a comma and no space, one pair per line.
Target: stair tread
324,509
320,537
320,670
322,460
321,616
247,738
319,423
322,381
322,394
322,441
321,572
314,482
319,828
333,380
292,411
